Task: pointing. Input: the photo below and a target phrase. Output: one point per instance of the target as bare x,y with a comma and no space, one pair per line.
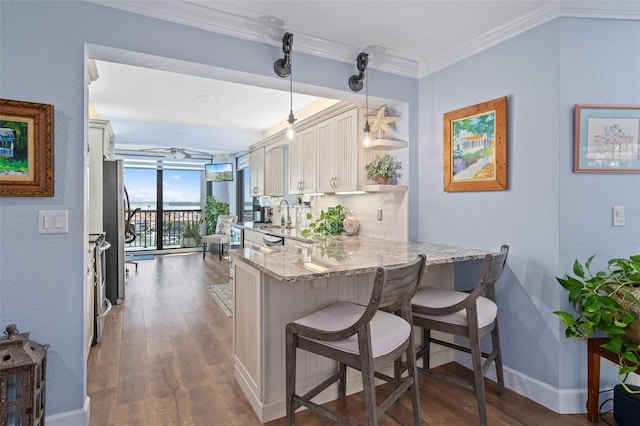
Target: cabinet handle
255,189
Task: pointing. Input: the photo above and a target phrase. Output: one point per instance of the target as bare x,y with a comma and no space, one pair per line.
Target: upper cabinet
256,172
338,149
302,162
326,156
274,172
266,172
100,149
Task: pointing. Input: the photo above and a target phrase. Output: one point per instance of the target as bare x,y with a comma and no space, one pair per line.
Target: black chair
361,337
464,314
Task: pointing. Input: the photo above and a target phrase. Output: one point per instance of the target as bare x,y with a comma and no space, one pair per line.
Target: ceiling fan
178,153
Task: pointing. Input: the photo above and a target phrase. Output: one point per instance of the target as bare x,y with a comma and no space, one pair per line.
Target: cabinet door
256,171
308,144
327,156
295,166
346,151
274,172
338,149
302,162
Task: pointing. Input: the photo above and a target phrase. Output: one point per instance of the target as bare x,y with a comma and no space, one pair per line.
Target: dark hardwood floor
166,359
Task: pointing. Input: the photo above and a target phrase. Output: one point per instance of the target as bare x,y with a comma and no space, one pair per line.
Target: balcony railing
145,226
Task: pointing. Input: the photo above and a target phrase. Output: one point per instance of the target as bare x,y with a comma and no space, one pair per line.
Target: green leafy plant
606,302
329,222
212,209
385,166
191,229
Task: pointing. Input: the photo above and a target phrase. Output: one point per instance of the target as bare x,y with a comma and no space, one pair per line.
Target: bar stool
464,314
361,337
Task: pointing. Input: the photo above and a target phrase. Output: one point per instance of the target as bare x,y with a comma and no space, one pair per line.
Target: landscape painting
607,138
26,149
15,137
475,147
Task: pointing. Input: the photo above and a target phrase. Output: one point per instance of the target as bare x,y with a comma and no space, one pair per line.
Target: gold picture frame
26,149
475,147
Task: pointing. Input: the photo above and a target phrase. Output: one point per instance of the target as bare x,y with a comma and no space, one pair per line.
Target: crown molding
234,21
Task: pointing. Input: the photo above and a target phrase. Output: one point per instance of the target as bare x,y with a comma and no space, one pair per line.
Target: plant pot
189,242
633,332
382,180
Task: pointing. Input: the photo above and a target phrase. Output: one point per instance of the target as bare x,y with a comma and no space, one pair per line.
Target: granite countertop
342,255
278,231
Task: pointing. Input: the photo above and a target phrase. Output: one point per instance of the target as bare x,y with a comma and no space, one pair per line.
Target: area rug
223,294
136,257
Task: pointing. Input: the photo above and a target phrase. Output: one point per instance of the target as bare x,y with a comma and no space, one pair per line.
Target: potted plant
191,233
330,222
606,303
212,209
383,168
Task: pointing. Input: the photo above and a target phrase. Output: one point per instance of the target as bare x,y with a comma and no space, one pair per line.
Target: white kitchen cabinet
338,148
302,162
274,172
100,149
256,172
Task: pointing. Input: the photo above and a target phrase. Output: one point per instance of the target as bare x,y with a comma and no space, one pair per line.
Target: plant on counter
212,209
383,168
607,302
329,223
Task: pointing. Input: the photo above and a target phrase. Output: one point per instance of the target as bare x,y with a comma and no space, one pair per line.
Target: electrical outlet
379,214
618,214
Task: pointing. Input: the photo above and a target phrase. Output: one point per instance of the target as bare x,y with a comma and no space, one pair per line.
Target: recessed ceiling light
205,96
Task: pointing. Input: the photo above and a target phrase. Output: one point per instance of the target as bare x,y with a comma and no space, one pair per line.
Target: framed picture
475,147
26,149
605,138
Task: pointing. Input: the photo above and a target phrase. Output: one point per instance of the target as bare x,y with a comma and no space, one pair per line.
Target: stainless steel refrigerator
113,223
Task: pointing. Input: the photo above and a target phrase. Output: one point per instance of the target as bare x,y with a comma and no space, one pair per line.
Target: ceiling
151,108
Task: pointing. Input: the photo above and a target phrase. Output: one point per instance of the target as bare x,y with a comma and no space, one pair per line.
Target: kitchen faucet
288,226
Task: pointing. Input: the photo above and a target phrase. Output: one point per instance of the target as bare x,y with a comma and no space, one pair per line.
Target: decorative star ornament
381,122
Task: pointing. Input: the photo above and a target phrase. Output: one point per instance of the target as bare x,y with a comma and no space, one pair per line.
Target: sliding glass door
163,205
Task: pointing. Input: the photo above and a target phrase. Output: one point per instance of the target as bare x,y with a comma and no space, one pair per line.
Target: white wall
44,50
549,215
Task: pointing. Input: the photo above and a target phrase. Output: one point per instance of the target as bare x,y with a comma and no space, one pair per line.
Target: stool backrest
491,271
394,287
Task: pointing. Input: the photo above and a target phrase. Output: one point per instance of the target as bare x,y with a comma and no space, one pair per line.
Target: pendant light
283,68
355,84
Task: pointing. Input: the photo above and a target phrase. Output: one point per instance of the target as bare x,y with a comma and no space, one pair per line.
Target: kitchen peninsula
276,285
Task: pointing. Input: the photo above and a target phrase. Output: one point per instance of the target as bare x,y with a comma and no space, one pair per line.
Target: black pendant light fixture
283,68
356,83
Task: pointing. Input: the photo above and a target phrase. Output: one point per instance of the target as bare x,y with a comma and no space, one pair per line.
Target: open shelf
384,188
387,144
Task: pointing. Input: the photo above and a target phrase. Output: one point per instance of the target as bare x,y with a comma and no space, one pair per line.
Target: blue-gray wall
43,52
549,215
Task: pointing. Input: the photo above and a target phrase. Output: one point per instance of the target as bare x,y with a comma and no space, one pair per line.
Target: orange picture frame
475,147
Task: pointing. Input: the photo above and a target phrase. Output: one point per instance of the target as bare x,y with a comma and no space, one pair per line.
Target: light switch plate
618,214
53,221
